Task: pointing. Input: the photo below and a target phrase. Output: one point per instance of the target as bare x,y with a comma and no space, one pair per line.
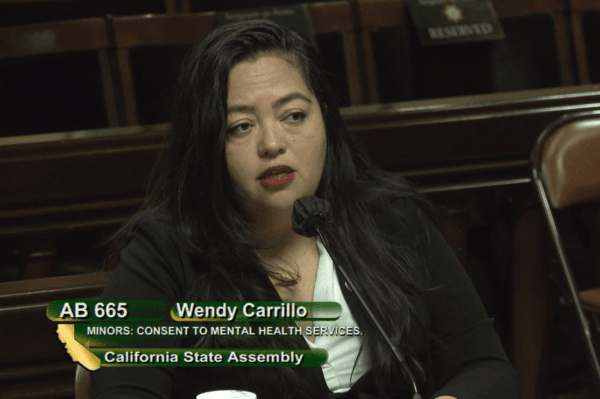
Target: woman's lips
277,180
275,170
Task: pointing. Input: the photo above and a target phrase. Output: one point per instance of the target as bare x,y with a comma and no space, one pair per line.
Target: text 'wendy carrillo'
146,310
255,311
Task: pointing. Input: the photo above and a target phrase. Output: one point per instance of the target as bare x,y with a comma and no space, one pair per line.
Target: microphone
310,217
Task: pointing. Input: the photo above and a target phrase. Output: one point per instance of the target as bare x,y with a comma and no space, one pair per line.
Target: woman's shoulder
155,227
150,221
153,261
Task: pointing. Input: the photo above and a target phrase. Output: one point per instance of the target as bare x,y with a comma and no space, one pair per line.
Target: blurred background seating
585,15
56,77
23,12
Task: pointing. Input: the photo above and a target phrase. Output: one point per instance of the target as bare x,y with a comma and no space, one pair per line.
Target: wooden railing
60,182
454,148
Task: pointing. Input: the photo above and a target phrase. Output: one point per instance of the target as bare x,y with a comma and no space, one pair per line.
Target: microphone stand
372,316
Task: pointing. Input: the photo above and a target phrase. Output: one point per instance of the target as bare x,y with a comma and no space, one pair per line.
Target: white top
342,349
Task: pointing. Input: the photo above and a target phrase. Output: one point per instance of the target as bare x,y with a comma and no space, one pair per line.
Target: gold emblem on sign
78,352
453,13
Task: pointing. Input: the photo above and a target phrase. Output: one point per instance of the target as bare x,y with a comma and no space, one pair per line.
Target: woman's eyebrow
292,96
277,104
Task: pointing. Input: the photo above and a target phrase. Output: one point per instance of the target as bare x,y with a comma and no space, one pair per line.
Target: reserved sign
454,21
294,16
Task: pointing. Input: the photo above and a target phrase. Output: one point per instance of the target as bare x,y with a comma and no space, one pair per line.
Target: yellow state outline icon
78,352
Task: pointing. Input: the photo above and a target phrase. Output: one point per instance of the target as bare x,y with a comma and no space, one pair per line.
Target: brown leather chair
566,171
83,384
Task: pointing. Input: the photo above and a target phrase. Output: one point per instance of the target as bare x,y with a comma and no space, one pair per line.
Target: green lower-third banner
153,357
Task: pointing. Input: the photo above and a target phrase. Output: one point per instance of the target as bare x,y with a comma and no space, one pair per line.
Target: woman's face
273,121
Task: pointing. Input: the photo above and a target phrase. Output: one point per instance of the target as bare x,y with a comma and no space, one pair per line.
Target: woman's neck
274,237
284,245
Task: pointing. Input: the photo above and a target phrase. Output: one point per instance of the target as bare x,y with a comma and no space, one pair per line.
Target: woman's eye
296,117
241,128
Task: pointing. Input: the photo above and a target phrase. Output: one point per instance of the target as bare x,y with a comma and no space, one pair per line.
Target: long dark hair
191,187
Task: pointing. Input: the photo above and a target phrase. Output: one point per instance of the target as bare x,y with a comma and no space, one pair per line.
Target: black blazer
470,363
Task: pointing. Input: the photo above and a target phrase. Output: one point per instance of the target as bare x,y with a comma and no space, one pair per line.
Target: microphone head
309,215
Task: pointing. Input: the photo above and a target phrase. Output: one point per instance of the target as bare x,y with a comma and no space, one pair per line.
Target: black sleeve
470,362
150,267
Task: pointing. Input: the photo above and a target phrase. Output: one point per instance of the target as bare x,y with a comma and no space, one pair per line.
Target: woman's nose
272,141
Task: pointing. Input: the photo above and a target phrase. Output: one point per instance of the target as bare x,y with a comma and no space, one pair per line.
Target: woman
255,127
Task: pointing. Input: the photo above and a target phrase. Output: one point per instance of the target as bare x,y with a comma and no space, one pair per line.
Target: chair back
25,12
585,20
56,77
404,70
566,171
339,46
151,48
566,160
